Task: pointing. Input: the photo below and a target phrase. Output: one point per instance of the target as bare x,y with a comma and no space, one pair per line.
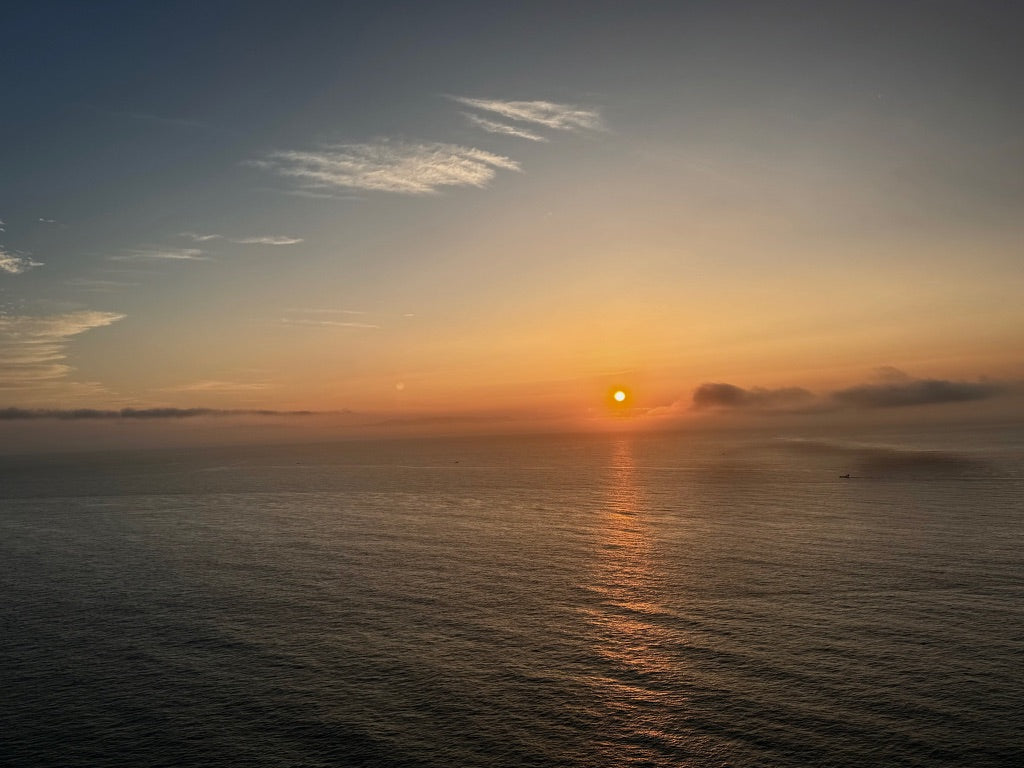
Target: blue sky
451,208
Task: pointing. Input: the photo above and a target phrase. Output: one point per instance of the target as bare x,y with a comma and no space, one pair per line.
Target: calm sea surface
556,601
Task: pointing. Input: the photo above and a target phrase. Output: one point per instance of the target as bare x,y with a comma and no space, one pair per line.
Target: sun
619,400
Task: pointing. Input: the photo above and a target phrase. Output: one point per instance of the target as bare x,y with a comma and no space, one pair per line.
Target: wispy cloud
161,254
316,317
400,167
214,386
76,414
313,311
33,349
268,240
16,263
263,240
503,129
312,321
549,114
88,284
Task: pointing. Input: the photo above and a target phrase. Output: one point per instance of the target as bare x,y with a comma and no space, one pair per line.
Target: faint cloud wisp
33,349
161,254
16,264
503,129
263,240
399,167
549,114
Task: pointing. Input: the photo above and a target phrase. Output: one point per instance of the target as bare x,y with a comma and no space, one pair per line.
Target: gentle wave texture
552,601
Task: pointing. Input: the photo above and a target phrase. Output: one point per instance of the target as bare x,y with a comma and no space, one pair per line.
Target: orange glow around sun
618,400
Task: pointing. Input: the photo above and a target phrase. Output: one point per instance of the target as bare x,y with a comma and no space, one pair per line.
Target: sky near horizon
459,212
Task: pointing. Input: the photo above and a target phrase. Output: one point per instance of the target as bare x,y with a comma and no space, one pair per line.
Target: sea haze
605,600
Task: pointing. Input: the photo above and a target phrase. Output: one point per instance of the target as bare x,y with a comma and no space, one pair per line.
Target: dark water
601,601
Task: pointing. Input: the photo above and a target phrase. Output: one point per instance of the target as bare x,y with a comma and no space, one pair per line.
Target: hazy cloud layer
263,240
721,395
14,263
22,414
215,386
33,349
549,114
161,254
893,389
896,394
387,166
503,129
884,460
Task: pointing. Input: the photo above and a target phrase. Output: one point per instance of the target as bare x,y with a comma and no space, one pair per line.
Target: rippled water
599,601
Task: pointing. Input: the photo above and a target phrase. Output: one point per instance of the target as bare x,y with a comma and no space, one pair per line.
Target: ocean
590,600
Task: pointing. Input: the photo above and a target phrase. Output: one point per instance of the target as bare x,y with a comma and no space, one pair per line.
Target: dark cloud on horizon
894,390
898,394
722,395
77,414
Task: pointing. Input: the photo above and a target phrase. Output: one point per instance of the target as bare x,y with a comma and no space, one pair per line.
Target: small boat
845,477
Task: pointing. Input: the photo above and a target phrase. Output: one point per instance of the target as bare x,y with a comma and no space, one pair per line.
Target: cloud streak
548,114
312,322
398,167
161,254
14,263
263,240
218,386
502,129
33,349
137,414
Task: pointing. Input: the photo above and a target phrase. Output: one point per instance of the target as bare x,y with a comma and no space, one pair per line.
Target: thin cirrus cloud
502,129
16,264
215,386
161,254
548,114
263,240
325,323
398,167
33,349
326,318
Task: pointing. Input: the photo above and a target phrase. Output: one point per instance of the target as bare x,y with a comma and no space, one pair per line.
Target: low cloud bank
915,392
893,392
722,395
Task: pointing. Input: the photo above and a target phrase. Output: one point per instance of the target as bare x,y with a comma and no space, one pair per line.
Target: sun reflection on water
632,630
